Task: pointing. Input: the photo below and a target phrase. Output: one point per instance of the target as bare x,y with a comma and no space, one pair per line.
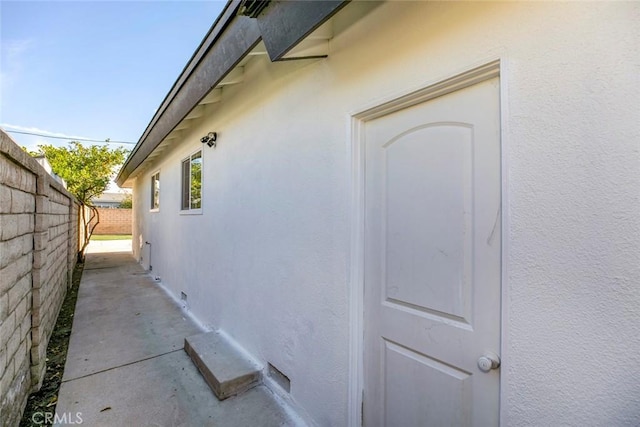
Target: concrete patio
126,364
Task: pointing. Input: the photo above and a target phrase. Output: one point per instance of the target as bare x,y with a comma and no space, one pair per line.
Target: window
192,182
155,191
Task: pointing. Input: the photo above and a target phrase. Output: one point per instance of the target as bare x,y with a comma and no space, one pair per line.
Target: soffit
219,61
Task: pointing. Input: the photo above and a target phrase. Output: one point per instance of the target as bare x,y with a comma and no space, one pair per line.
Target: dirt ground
43,402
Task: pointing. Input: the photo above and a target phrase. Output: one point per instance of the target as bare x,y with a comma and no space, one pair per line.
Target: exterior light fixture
210,139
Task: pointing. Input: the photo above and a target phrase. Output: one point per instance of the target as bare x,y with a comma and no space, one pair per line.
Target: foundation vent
183,300
281,379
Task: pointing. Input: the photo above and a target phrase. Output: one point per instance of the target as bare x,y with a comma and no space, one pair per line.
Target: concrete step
223,367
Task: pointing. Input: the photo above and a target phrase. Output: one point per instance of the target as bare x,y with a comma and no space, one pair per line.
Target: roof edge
229,40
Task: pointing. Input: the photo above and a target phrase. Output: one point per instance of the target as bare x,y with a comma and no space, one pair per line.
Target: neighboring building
42,161
399,193
110,199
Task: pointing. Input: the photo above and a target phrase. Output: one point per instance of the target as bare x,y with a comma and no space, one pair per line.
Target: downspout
150,266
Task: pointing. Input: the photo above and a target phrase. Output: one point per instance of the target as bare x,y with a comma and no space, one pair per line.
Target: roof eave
282,25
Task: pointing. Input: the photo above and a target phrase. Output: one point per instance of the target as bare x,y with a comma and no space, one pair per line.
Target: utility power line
108,141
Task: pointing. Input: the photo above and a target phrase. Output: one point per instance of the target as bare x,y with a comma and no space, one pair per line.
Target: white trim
356,279
152,209
504,248
192,211
356,285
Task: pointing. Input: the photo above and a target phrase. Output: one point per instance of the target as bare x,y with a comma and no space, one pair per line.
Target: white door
432,262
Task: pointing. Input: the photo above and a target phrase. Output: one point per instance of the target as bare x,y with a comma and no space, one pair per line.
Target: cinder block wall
38,246
114,221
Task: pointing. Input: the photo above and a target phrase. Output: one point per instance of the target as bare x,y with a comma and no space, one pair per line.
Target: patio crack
121,366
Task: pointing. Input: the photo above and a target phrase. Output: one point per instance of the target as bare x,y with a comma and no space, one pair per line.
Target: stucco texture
268,259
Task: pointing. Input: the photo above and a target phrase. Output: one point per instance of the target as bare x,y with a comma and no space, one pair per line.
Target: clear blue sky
93,69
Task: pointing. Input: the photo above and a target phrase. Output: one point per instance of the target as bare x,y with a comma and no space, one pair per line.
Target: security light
209,139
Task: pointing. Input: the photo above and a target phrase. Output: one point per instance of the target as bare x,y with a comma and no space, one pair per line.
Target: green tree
126,203
87,171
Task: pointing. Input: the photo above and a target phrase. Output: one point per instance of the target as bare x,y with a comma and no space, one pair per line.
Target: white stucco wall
268,259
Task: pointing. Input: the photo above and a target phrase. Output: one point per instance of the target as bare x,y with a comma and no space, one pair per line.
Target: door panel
428,267
410,376
432,261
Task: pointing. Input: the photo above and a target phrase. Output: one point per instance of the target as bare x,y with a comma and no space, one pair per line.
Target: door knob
488,362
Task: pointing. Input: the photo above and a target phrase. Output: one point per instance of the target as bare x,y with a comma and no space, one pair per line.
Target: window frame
153,206
188,160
